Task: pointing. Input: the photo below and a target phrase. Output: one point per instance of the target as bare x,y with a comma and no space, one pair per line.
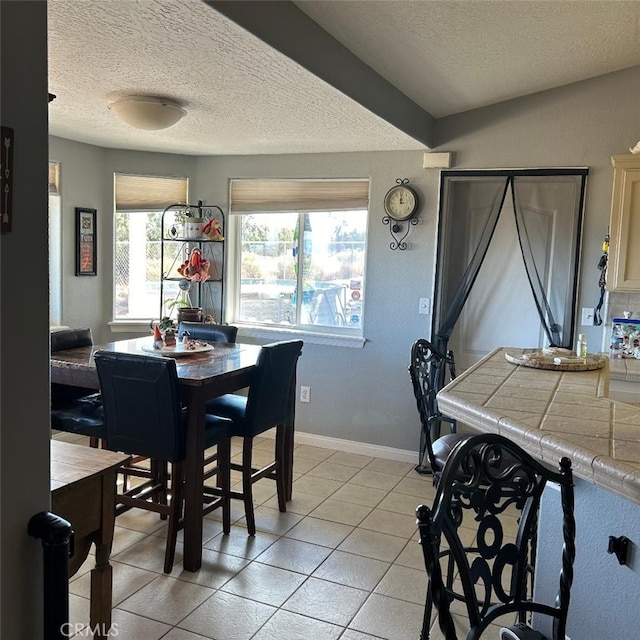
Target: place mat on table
539,359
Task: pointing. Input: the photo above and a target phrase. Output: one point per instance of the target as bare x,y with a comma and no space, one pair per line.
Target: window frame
335,336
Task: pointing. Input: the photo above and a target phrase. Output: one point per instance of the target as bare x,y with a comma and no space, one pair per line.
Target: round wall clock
401,202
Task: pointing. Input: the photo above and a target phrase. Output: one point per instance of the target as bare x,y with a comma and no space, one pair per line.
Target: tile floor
343,562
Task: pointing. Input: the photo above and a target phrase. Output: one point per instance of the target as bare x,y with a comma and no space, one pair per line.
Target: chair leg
175,513
247,484
280,467
224,481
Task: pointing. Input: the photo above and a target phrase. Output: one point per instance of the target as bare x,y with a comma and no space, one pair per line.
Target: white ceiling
244,97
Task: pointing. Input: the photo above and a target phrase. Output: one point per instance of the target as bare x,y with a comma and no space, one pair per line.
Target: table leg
193,473
101,589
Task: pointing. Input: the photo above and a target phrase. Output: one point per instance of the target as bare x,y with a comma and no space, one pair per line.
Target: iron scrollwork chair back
486,480
430,371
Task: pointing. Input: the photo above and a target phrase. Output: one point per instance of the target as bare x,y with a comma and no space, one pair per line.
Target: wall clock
401,202
400,205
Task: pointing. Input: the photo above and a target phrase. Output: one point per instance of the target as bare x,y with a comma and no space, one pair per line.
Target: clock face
401,202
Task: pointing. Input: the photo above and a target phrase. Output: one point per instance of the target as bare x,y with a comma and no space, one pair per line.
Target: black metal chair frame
484,476
430,371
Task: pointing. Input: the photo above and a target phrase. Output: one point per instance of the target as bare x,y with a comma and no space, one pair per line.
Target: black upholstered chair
489,484
267,405
429,371
144,417
75,409
208,331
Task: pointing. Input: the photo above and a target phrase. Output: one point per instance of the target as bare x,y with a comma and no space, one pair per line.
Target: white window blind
54,178
252,196
148,193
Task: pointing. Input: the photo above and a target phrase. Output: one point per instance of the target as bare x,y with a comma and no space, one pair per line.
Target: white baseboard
350,446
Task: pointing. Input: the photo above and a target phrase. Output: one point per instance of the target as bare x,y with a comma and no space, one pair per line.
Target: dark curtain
548,212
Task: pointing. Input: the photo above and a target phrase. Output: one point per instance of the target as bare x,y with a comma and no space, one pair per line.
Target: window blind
148,193
54,178
252,196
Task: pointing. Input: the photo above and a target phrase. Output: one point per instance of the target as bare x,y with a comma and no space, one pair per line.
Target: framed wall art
86,239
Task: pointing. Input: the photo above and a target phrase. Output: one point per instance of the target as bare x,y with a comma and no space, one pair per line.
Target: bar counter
553,414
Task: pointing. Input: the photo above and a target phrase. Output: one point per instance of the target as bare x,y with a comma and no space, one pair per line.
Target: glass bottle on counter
581,350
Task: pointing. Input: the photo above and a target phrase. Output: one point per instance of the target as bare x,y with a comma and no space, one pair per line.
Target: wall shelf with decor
192,263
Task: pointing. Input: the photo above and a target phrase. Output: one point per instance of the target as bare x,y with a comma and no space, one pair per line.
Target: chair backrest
430,371
268,402
494,574
209,331
142,409
62,394
70,339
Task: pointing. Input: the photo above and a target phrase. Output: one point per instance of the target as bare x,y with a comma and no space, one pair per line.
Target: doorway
508,260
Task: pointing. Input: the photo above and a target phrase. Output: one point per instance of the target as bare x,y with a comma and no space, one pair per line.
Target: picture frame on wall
86,242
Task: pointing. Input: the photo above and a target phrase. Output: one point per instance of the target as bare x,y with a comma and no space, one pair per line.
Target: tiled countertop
625,369
553,414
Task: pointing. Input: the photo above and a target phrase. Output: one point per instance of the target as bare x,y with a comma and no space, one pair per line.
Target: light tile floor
342,562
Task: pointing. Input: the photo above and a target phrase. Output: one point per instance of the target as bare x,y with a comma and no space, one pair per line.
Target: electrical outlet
305,394
587,317
423,306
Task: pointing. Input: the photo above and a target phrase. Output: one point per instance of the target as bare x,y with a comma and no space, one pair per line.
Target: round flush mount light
148,112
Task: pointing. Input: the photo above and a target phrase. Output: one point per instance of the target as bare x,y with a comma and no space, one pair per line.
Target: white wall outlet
305,394
587,317
423,306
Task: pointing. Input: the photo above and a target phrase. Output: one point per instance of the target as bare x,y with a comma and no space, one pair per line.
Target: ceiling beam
289,30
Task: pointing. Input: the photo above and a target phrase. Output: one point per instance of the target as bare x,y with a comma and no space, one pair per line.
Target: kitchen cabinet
623,270
192,261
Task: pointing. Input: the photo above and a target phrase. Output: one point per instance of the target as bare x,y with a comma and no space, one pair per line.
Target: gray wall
24,330
357,394
364,394
604,595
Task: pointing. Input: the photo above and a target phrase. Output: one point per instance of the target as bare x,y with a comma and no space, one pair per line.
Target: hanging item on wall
401,206
6,180
602,281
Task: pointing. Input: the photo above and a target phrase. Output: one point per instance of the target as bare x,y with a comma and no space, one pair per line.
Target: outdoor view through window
304,269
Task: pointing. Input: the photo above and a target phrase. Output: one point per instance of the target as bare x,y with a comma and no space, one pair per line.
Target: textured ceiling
244,97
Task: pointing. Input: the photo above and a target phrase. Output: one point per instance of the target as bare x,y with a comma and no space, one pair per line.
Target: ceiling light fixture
148,112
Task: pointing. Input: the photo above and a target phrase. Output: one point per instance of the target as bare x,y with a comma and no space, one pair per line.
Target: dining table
202,375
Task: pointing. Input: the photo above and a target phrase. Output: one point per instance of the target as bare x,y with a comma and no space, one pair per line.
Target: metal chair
143,416
208,331
429,371
267,405
488,479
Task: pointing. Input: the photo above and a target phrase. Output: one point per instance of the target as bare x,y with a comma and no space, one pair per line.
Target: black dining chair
489,484
208,331
429,371
267,405
75,409
143,416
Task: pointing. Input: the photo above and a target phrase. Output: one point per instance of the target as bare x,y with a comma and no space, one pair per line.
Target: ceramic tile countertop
625,369
553,414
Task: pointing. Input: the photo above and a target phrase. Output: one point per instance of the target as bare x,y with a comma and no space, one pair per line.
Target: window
301,246
139,203
55,245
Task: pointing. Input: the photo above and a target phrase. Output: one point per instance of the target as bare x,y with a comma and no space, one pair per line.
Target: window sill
279,333
130,326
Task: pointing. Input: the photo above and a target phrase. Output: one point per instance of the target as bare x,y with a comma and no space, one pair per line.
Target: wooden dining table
225,368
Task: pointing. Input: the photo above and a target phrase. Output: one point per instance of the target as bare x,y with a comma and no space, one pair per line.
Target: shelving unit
178,242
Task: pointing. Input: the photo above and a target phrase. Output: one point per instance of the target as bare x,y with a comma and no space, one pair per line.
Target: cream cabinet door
623,271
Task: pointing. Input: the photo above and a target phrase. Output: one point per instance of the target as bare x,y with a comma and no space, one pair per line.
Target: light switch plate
587,317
